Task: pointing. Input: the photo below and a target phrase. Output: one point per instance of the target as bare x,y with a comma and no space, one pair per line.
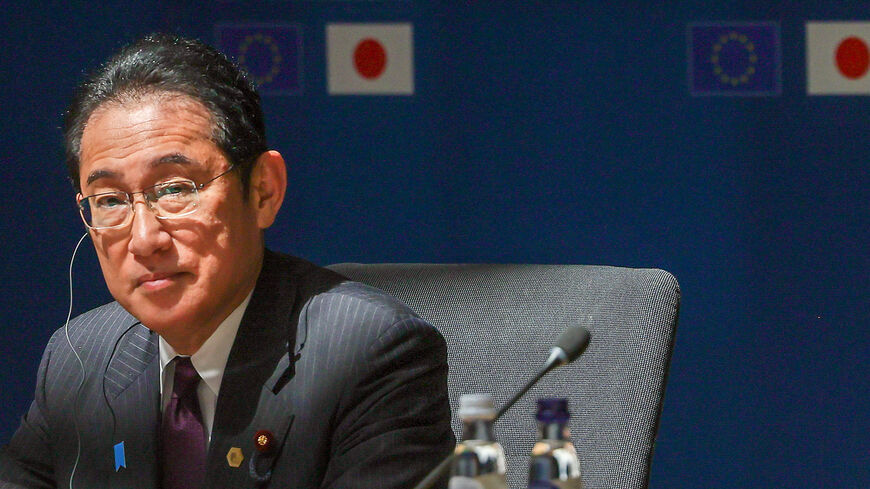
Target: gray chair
500,322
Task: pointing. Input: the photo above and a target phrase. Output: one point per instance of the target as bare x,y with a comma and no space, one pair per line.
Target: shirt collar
210,360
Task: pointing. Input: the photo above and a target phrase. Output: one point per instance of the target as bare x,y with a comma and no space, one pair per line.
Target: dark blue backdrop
548,132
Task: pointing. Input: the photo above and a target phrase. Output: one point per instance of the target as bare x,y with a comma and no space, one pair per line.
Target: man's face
181,277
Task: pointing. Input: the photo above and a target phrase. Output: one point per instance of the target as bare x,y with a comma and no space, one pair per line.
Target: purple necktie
183,439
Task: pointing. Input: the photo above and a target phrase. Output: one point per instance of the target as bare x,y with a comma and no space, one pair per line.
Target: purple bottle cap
553,410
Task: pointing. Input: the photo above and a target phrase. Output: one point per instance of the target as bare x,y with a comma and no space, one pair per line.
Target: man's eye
108,201
173,189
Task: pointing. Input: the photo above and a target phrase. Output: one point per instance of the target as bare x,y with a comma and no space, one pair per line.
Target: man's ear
267,187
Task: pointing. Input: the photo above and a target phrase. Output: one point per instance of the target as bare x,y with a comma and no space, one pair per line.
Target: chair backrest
500,322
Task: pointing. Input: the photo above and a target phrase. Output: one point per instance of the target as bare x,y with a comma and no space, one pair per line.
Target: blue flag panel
271,54
734,59
120,457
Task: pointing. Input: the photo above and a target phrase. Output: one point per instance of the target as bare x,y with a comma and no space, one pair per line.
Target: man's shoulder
367,297
106,320
94,335
318,284
331,303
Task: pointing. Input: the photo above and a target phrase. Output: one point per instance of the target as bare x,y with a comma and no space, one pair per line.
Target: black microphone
570,345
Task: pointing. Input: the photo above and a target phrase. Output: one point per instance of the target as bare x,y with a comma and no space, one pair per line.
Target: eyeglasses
168,200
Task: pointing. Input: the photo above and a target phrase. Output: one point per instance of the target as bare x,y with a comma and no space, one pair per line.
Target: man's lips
156,281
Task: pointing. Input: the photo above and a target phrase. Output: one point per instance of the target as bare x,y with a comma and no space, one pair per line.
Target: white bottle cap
476,406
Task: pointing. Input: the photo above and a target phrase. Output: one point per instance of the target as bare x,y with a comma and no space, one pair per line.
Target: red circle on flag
370,58
853,57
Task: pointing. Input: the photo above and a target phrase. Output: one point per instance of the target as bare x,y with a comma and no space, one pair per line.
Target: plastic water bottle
554,463
479,462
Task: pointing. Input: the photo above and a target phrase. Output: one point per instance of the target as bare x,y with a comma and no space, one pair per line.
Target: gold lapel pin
235,457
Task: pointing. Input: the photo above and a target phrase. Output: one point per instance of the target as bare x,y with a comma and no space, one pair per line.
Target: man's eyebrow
174,158
98,174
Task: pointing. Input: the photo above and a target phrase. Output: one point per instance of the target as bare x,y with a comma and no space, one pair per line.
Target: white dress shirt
209,361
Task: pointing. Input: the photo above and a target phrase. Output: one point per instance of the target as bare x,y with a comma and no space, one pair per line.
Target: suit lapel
132,390
252,396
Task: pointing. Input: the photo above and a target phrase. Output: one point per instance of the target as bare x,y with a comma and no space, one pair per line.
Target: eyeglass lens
167,200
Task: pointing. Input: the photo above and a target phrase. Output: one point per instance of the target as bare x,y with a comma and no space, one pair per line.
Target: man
221,364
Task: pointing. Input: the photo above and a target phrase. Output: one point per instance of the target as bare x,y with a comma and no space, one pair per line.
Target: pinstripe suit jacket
360,403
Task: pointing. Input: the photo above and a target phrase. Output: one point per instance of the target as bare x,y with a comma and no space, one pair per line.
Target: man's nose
146,234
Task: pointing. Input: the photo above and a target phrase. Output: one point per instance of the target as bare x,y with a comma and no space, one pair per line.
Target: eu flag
734,58
270,53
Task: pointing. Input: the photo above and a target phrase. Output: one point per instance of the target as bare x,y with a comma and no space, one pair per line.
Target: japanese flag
370,59
838,58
